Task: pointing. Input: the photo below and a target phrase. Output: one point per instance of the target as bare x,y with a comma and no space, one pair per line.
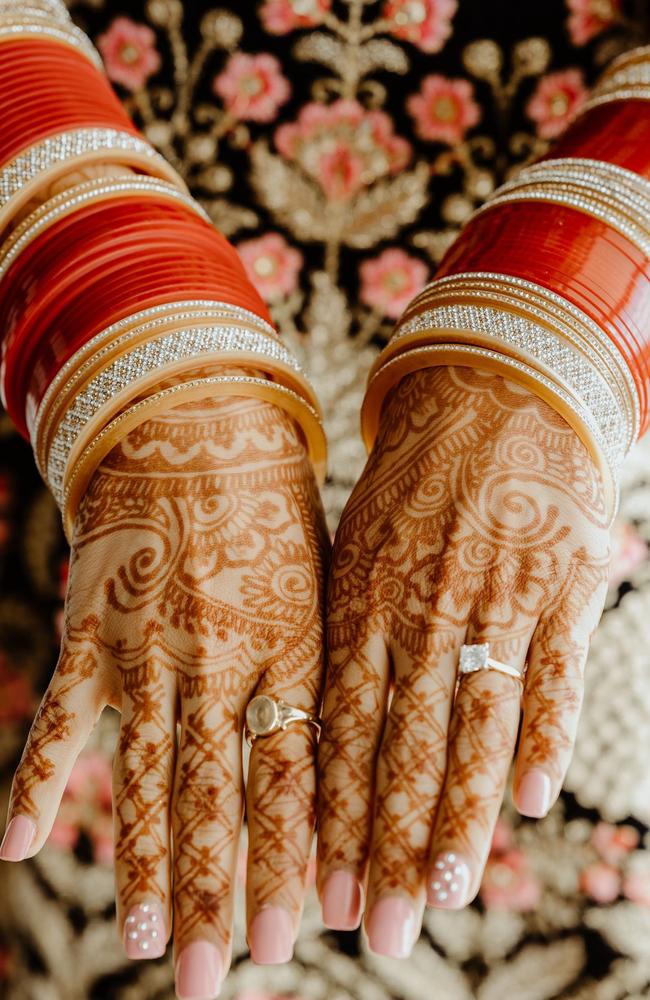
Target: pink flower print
129,53
508,883
271,265
636,888
87,806
629,550
600,881
252,87
555,101
279,17
587,18
444,109
391,280
343,147
612,842
424,23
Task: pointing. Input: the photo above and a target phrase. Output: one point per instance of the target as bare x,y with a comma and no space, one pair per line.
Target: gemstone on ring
474,657
262,715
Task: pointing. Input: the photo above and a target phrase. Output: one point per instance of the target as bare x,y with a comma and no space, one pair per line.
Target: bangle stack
549,283
119,297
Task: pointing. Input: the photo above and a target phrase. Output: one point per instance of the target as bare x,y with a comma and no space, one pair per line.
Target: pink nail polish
17,839
448,881
271,936
198,972
341,901
144,931
391,927
534,793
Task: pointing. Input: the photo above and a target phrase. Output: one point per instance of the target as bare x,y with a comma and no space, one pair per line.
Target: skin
479,517
196,581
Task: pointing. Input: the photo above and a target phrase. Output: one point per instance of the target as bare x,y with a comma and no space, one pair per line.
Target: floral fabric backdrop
341,144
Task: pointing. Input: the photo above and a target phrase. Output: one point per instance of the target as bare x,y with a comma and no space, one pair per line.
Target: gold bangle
152,318
434,355
39,165
14,26
213,386
552,311
89,192
87,407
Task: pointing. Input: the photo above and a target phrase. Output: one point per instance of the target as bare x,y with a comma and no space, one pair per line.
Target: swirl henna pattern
196,579
479,517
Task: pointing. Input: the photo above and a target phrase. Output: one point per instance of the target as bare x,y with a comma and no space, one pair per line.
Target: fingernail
341,902
534,793
391,927
198,972
17,839
448,881
144,931
271,936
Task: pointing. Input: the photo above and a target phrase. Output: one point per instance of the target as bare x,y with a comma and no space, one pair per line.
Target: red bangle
616,132
578,257
79,96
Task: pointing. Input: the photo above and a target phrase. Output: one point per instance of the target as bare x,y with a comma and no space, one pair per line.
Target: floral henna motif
478,515
196,576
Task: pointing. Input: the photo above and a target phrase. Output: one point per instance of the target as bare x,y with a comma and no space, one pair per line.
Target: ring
477,657
266,715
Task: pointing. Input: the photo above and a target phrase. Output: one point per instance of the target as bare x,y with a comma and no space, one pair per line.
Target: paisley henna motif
196,576
479,517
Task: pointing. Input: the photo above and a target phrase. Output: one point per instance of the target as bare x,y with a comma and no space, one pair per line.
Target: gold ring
266,715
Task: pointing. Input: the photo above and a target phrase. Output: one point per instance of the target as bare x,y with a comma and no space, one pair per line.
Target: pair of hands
197,579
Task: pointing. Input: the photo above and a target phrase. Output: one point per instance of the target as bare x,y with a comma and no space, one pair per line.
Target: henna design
196,574
478,513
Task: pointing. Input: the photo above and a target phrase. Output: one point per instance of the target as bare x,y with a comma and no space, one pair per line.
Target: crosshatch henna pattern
196,577
479,517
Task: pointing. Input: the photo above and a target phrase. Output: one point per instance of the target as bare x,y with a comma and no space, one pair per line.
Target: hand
479,517
196,580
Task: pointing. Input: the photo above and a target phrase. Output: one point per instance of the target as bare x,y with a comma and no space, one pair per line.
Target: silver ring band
477,657
266,715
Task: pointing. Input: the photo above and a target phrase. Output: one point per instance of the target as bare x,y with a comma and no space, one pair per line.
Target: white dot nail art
142,934
451,881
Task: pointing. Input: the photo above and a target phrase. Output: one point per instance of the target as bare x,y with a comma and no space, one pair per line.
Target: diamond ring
477,657
266,715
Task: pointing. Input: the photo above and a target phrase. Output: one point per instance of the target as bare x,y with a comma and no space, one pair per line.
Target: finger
410,772
66,717
554,688
143,774
207,814
354,711
482,738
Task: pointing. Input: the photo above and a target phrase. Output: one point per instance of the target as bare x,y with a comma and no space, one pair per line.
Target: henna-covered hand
196,580
479,517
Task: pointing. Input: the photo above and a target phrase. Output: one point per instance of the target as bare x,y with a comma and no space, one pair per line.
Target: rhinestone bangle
54,8
553,311
536,345
87,193
19,26
44,162
199,388
468,355
147,319
142,367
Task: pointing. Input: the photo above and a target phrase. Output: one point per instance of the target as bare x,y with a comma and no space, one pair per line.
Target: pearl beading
543,303
154,355
67,146
83,194
54,8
